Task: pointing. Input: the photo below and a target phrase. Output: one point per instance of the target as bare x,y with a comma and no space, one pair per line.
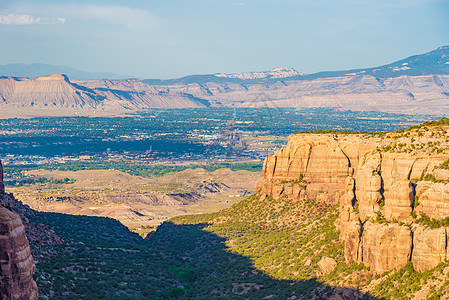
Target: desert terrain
134,200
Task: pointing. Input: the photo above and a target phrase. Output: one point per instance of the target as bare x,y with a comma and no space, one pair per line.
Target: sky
174,38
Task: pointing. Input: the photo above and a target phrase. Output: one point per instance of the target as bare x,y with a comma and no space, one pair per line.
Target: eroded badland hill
138,201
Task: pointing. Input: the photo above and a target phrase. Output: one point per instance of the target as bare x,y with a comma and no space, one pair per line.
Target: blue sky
173,38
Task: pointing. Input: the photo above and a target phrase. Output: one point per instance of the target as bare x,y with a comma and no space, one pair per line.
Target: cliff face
2,185
379,183
16,263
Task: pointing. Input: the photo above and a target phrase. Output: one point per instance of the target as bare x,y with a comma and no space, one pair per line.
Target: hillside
362,211
86,257
53,90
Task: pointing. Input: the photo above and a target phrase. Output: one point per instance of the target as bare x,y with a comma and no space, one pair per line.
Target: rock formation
429,247
2,185
56,93
16,263
327,264
387,185
385,247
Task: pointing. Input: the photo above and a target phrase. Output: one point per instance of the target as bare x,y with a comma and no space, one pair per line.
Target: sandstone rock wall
429,247
385,247
2,186
16,263
376,190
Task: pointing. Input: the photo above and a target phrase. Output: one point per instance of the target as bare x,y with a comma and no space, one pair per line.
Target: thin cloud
122,15
15,19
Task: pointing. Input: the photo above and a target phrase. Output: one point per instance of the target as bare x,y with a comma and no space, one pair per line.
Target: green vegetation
300,181
406,282
279,236
246,251
130,167
257,248
181,133
441,122
444,165
38,181
430,222
261,247
431,177
101,259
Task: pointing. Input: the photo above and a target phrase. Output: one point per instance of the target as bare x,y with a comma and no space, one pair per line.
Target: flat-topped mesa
383,184
53,77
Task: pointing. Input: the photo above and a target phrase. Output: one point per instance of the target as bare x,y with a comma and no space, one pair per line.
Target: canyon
386,193
392,190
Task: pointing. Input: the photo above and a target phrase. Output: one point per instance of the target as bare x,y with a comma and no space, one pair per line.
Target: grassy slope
246,251
256,248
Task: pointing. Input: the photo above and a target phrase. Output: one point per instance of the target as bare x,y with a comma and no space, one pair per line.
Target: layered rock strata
2,186
384,184
16,263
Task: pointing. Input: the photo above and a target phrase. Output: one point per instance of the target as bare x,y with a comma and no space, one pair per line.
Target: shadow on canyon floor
99,258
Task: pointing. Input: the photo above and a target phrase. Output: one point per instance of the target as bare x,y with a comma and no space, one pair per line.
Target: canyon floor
137,201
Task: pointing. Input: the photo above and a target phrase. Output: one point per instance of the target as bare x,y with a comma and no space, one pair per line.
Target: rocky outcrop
433,199
53,90
16,262
352,238
385,247
429,247
377,181
327,264
2,185
381,247
319,162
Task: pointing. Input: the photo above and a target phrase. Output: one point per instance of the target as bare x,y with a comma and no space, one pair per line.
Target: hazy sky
172,38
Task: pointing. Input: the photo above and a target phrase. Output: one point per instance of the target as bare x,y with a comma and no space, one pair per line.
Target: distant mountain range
417,84
38,70
435,62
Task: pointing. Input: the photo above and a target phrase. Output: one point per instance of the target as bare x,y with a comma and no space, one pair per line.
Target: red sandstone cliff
16,263
2,186
377,181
